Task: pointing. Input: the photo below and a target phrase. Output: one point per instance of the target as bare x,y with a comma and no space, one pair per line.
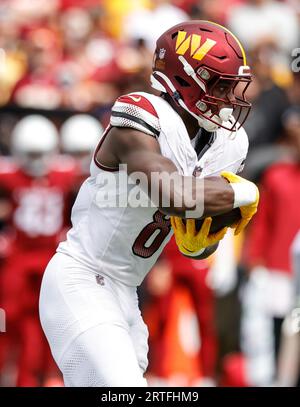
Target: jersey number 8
151,237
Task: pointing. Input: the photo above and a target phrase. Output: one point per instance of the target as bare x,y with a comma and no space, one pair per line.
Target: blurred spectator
213,10
38,88
13,58
293,91
116,11
271,42
66,59
31,11
267,22
269,293
295,254
64,4
289,353
295,5
148,25
223,279
178,301
263,126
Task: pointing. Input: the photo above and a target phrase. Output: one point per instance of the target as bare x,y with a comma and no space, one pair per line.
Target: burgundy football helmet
203,67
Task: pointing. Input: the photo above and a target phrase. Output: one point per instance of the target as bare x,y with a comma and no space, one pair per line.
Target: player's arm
141,153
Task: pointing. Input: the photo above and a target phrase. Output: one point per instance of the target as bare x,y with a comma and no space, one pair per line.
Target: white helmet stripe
156,84
190,72
166,79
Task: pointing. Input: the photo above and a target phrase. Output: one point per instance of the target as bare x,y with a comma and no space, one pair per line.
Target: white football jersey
123,241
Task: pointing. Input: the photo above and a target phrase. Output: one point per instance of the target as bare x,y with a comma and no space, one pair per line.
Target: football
220,221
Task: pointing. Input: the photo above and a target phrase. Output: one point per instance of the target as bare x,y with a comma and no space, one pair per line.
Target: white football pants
93,325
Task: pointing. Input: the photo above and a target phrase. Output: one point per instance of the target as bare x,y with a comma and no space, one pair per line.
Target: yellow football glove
246,211
189,240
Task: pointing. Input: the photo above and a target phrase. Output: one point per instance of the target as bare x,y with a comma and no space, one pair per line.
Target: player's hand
192,242
247,211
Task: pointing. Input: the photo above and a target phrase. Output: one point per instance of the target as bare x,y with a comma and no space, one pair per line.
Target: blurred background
233,320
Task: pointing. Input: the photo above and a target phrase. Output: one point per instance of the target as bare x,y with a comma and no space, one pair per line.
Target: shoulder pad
137,112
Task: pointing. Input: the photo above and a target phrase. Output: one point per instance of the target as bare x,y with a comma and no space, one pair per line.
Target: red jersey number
152,236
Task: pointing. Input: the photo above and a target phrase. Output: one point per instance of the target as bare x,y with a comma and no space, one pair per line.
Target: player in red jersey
78,146
36,185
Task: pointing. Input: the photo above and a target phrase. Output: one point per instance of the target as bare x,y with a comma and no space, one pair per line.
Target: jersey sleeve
135,111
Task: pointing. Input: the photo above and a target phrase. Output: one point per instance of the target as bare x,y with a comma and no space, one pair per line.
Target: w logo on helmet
193,42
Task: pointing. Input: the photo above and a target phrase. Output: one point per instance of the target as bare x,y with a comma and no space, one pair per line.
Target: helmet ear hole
182,82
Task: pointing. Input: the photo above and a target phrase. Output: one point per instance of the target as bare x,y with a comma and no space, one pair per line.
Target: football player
81,148
36,185
193,132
